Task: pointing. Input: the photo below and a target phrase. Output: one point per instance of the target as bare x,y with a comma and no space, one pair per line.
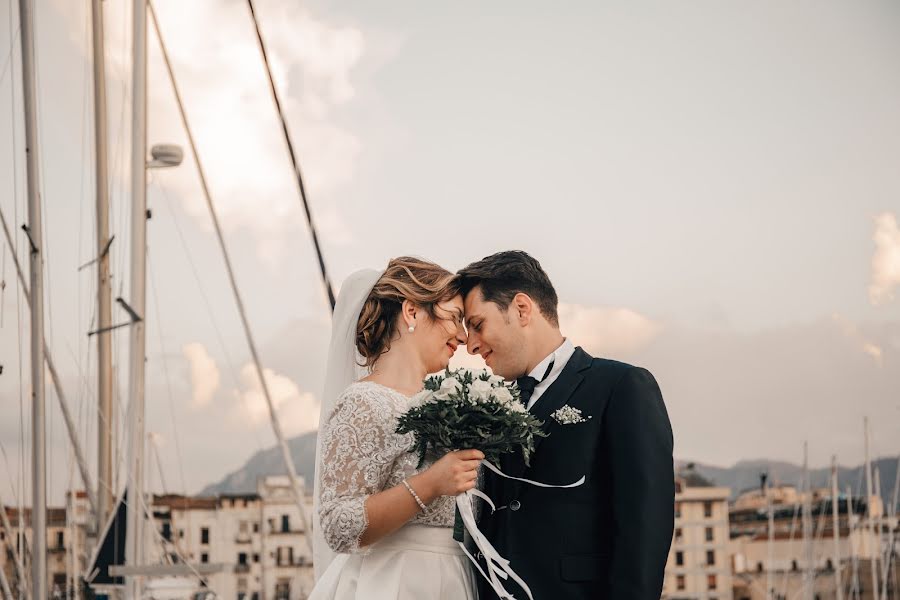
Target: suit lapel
561,390
553,398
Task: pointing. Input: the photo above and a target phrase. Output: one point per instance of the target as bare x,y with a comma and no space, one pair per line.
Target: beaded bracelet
414,495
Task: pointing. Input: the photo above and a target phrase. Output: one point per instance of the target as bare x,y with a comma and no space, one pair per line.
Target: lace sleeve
358,448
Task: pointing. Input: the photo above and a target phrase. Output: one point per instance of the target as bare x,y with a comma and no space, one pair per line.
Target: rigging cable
21,562
293,155
248,334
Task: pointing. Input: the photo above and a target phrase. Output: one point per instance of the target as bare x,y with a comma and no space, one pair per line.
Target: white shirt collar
558,357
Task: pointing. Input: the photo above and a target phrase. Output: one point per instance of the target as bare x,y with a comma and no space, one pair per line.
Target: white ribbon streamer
497,566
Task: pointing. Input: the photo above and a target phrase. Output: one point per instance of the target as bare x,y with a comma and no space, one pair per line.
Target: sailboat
118,559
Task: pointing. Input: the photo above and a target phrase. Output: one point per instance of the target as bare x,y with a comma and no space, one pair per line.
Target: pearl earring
411,329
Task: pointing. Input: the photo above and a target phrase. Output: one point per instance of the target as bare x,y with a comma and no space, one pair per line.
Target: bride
383,528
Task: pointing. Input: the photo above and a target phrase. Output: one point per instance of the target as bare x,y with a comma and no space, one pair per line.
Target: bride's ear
408,312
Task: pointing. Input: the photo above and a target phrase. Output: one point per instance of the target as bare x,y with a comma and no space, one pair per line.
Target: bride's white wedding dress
362,455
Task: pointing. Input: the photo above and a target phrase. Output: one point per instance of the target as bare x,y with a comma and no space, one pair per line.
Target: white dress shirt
559,358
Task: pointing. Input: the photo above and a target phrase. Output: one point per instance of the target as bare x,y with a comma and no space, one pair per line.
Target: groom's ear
522,309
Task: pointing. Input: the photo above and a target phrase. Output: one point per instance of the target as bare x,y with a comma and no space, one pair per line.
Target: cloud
859,339
297,411
229,106
607,331
205,377
733,395
886,260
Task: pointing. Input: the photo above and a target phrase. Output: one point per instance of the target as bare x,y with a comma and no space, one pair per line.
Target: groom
606,420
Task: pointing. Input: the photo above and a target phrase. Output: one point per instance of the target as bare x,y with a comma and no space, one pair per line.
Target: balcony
283,531
242,538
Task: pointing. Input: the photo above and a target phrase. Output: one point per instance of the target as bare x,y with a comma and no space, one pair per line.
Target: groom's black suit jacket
610,537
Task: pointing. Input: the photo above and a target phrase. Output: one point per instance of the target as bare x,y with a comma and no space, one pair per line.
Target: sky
713,189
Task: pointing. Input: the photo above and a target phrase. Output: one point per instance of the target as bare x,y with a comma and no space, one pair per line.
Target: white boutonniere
568,415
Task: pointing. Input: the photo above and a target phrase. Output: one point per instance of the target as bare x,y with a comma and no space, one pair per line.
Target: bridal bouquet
461,409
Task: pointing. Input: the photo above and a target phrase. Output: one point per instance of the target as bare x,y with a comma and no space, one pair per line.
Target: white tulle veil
343,368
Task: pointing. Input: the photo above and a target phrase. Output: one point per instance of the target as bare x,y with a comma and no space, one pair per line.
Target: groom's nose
473,344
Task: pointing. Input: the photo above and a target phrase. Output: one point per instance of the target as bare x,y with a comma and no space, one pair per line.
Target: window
256,528
256,558
707,511
285,524
242,559
759,567
167,531
710,558
679,558
711,582
181,534
679,582
709,534
285,556
678,533
60,540
204,558
283,589
678,510
794,566
204,535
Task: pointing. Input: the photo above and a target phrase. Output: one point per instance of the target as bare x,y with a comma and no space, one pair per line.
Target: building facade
699,564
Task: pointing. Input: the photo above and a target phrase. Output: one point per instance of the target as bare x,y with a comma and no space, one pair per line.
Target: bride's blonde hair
406,278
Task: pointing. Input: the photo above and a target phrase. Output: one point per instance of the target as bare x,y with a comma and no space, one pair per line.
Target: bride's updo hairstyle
423,283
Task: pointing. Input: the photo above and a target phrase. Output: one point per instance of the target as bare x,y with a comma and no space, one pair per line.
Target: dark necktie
528,383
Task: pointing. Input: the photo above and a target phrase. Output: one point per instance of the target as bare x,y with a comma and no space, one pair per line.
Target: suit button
479,556
515,505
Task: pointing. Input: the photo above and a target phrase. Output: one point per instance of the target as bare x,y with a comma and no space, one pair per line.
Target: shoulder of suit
609,368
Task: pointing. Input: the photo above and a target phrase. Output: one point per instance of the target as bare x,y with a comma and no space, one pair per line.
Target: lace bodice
363,455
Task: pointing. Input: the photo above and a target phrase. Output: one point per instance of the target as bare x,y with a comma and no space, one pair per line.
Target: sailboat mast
807,528
137,350
770,591
836,529
877,523
36,259
869,529
889,551
104,303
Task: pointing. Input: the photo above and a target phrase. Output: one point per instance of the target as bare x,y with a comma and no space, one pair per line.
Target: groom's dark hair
503,275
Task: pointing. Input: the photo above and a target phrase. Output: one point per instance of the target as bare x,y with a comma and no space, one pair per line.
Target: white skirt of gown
417,562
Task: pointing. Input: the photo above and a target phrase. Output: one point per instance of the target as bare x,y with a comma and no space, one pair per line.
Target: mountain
269,462
742,476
